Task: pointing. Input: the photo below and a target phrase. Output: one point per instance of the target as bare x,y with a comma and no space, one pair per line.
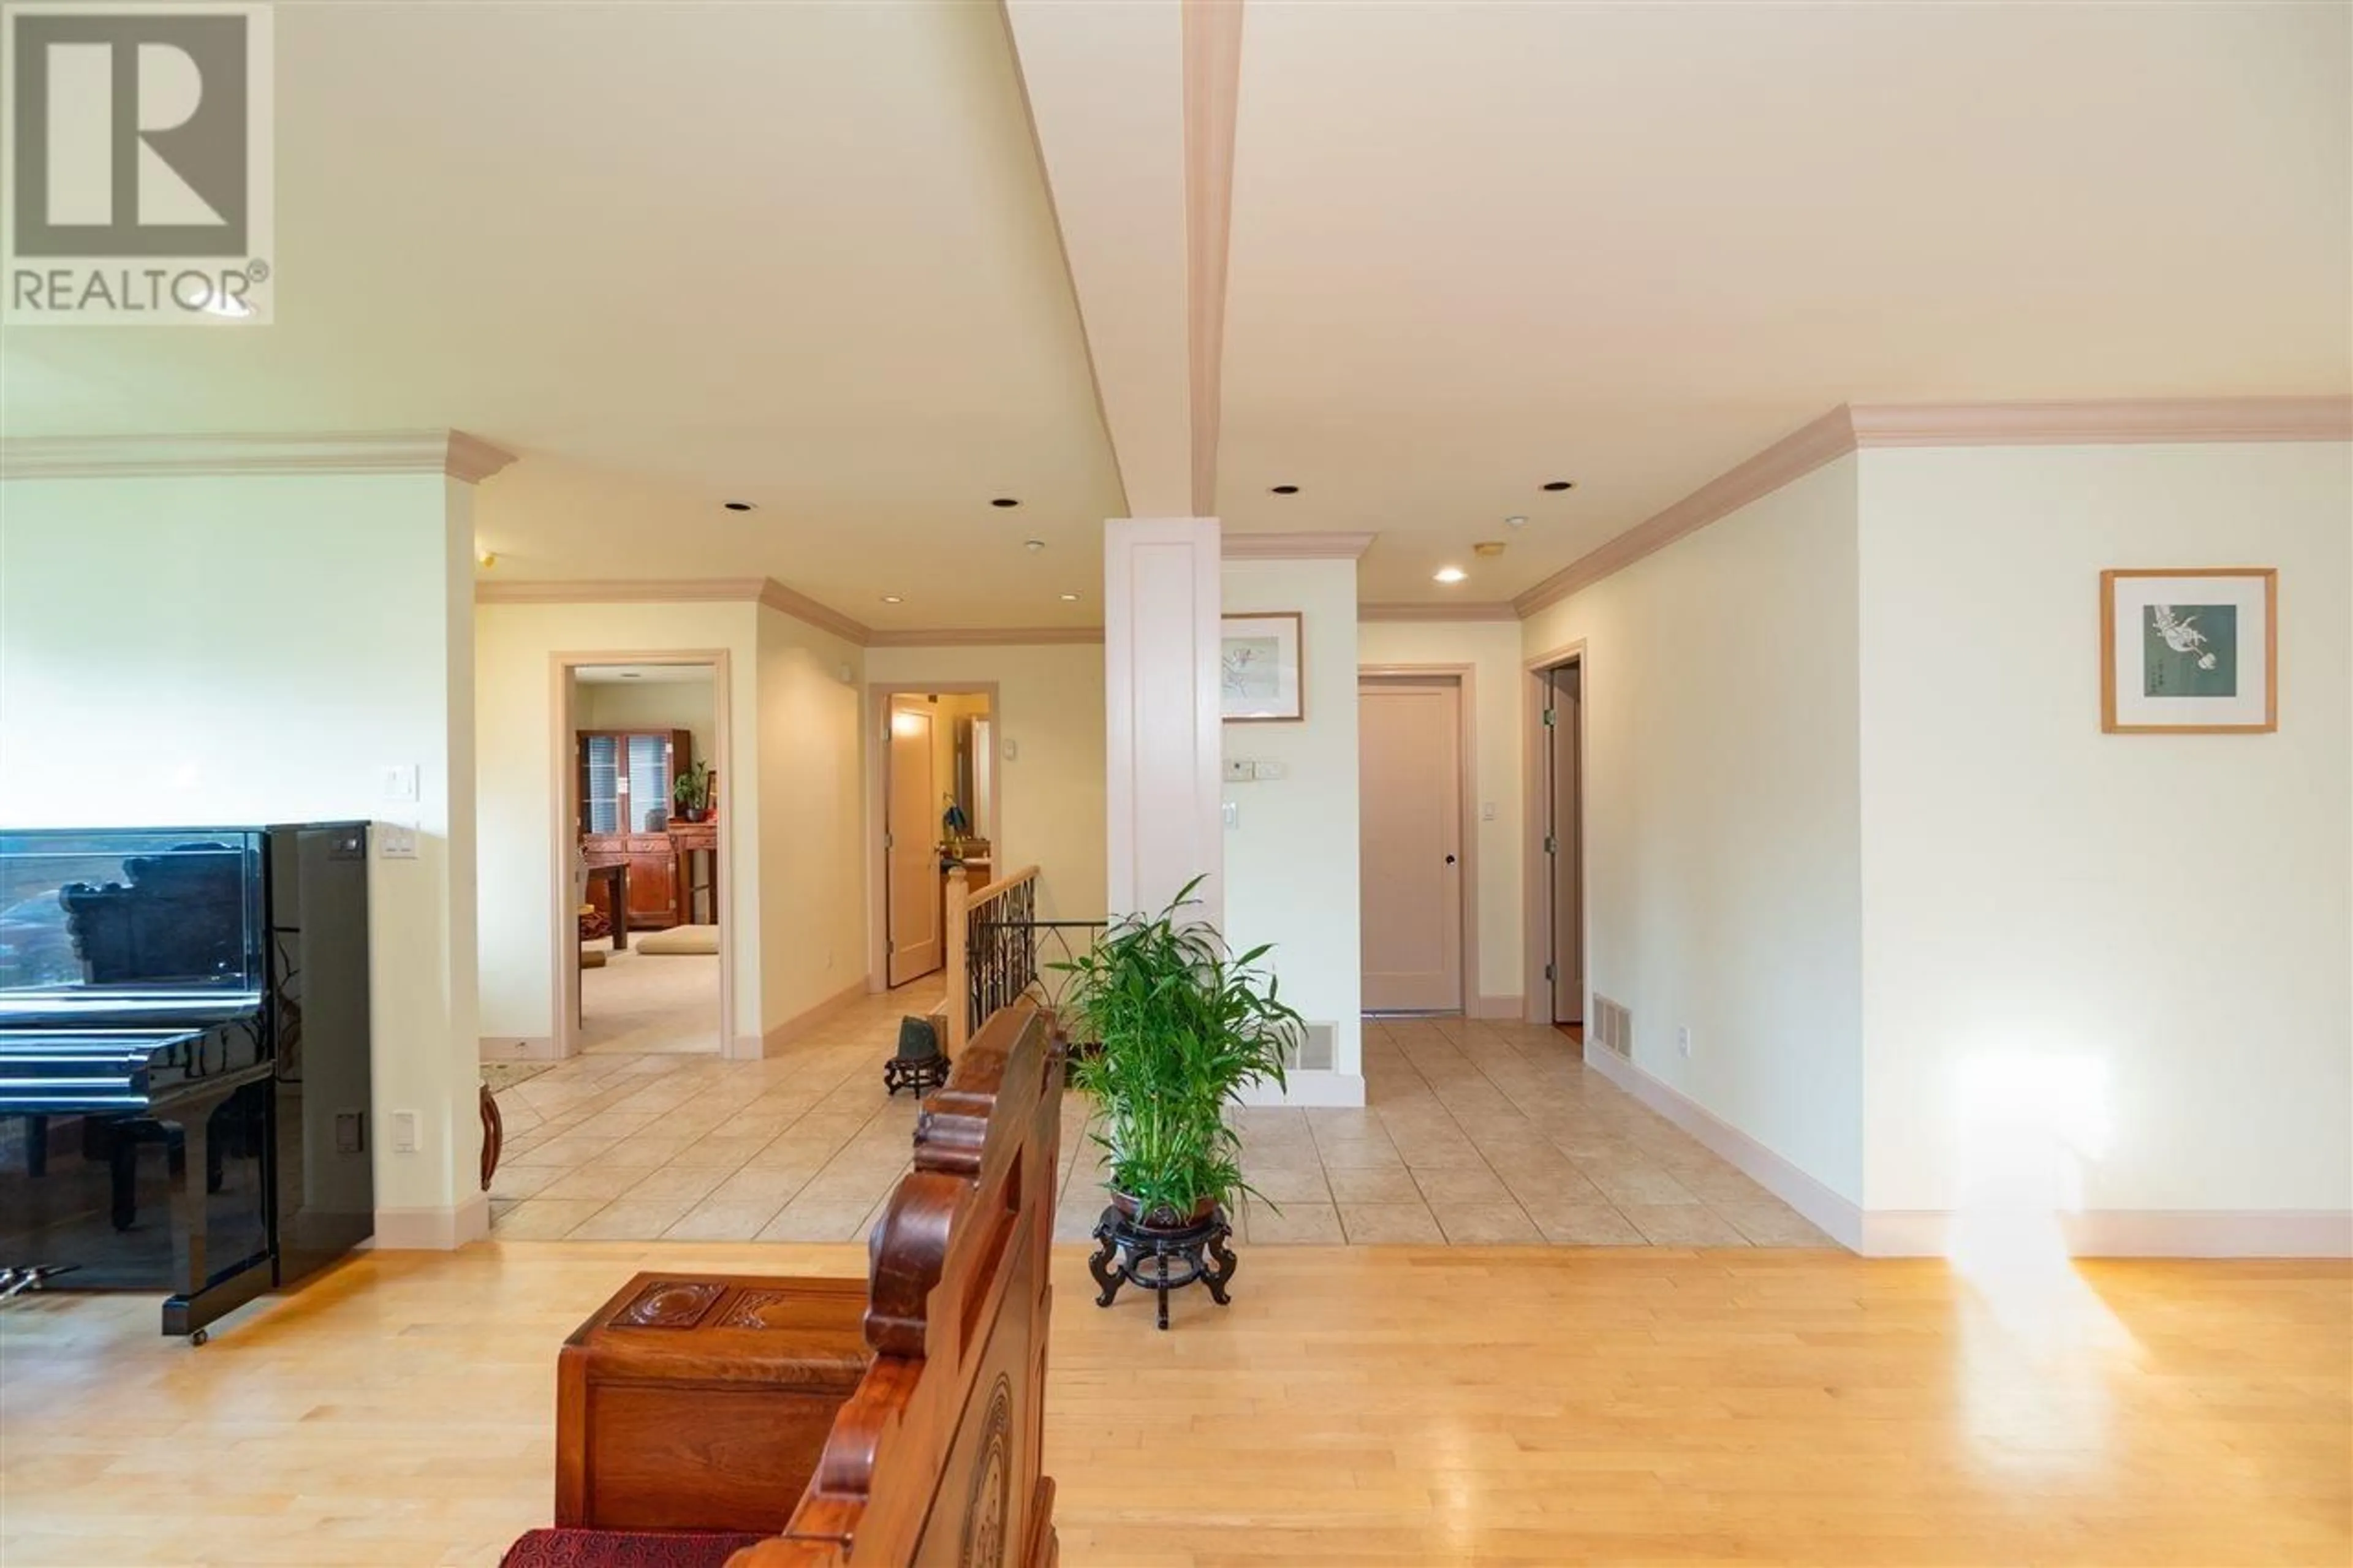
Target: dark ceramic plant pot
693,813
1164,1217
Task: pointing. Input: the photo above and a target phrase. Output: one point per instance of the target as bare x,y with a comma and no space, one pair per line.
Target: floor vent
1613,1026
1314,1053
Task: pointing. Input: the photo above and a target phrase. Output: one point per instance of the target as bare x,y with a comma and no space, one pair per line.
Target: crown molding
451,452
622,591
1478,612
985,636
775,596
765,592
1793,456
2112,422
1296,546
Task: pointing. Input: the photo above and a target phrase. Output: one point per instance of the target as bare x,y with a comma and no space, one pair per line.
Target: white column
1161,724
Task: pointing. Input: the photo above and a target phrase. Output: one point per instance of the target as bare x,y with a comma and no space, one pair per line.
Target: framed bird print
1259,669
2193,651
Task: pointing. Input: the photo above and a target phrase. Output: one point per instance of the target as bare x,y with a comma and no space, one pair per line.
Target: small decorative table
1142,1256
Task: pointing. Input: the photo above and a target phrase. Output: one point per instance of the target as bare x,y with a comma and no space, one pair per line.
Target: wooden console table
698,900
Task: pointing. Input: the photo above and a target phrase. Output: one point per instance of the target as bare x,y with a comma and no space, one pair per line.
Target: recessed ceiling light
1286,489
1516,522
893,599
1070,598
736,505
1033,545
1004,500
1450,574
1561,485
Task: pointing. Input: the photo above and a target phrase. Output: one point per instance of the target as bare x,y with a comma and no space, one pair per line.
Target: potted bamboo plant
690,793
1184,1026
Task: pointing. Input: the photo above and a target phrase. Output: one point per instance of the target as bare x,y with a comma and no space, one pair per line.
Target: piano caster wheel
200,1336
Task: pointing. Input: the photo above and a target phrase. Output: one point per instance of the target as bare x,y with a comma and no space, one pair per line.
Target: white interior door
1410,792
1564,844
910,853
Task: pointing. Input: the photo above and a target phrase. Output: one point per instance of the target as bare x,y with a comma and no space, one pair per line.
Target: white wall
259,648
1291,862
2172,914
516,645
1723,839
1494,650
688,705
812,823
1050,791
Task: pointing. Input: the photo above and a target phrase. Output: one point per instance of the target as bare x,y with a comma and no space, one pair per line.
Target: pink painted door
1411,791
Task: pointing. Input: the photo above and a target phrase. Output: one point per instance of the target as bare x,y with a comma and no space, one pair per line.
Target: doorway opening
1557,978
1418,851
643,876
938,808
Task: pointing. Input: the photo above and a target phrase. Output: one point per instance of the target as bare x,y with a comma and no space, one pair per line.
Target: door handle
1450,859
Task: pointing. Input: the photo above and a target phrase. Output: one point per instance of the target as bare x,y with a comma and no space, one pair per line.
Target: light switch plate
1234,813
1264,771
400,781
1487,811
403,1133
1240,771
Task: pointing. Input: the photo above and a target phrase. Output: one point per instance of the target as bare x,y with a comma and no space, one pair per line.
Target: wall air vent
1613,1025
1314,1053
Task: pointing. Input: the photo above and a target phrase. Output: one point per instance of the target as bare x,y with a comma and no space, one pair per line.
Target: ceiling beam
1133,110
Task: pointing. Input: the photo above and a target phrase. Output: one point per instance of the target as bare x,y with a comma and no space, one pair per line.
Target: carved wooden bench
934,1455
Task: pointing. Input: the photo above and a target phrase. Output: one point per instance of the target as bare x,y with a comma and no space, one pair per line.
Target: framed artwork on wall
1259,669
2192,651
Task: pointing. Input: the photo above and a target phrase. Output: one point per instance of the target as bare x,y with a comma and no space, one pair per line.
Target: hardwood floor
1373,1407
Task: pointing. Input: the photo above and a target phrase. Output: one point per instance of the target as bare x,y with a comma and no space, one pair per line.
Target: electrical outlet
395,841
1683,1042
1240,771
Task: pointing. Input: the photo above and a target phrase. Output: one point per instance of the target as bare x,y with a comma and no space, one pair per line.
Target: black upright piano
185,1058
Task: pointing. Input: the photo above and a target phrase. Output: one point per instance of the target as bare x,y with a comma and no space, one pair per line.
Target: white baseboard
1498,1007
1839,1219
433,1230
2137,1233
754,1047
519,1048
1318,1086
1929,1233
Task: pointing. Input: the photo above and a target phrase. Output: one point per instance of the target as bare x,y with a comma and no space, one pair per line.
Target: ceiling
868,267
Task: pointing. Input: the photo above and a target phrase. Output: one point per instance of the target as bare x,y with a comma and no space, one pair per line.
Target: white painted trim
1296,546
1839,1220
1163,736
2085,422
2103,423
434,1228
450,452
1441,614
985,637
765,592
2137,1233
525,1048
1317,1087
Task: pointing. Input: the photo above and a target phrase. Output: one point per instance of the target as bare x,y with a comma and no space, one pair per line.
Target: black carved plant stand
920,1064
1162,1259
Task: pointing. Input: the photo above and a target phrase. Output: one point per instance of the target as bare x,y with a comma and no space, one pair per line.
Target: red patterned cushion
623,1549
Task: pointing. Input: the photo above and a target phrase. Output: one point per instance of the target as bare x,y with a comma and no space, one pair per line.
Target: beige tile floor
1475,1133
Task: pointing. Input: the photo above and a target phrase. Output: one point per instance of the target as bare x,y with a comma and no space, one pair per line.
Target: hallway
1476,1134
